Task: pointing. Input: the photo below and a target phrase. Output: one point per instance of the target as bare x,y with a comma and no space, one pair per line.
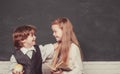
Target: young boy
27,53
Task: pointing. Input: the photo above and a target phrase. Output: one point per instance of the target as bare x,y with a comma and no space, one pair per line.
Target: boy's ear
23,41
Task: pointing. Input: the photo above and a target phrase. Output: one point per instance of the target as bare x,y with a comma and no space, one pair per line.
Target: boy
27,53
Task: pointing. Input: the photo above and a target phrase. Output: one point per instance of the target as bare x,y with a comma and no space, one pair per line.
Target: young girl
67,48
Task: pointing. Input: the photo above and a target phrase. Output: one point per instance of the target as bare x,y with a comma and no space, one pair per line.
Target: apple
18,68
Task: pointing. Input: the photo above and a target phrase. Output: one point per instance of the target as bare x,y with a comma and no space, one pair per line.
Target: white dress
74,61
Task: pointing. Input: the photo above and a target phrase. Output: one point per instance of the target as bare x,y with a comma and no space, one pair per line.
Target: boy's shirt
28,52
46,52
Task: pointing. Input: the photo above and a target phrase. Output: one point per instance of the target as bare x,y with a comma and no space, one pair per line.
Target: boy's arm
47,51
13,62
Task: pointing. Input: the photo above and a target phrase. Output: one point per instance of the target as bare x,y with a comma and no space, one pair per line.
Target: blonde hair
68,37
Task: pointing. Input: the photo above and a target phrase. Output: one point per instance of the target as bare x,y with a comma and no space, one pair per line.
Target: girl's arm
13,62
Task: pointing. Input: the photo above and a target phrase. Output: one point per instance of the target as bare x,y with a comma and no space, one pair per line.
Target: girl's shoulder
74,50
73,45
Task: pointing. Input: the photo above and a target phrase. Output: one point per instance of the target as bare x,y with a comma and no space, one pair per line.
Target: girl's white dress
74,61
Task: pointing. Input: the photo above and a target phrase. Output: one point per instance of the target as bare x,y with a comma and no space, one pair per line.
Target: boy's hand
18,69
17,72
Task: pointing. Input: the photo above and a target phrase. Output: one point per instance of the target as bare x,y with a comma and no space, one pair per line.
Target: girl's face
57,32
30,41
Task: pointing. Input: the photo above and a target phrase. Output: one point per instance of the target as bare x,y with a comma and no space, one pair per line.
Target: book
60,65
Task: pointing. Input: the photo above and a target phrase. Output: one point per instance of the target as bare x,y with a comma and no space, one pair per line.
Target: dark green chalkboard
96,24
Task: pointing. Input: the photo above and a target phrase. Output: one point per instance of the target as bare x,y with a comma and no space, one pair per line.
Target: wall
96,24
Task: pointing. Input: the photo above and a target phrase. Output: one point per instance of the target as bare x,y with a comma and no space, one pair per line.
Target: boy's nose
34,37
53,34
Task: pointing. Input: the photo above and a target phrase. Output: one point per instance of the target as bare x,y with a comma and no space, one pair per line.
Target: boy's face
30,41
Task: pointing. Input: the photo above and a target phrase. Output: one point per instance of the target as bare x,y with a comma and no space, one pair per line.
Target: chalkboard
96,24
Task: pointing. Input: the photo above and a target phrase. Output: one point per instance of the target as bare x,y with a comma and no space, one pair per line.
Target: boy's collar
25,50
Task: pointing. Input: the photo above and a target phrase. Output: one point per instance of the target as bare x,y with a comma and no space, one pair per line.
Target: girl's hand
57,72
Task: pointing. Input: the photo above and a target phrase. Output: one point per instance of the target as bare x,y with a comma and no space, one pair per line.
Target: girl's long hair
68,37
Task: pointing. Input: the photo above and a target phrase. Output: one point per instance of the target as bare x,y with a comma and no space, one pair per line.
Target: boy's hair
21,33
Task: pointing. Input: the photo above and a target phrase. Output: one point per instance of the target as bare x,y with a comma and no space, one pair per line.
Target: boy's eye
34,34
55,31
31,34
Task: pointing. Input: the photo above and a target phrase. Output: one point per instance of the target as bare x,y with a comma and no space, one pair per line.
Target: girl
67,48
